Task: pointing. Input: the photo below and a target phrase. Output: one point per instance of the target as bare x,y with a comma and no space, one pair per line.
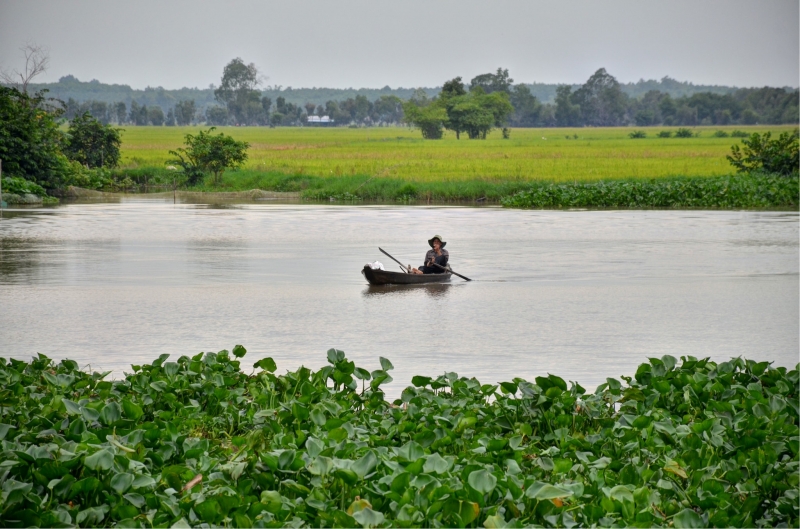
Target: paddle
393,259
451,271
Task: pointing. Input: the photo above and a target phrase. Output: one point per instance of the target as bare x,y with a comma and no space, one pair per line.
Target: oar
393,259
451,271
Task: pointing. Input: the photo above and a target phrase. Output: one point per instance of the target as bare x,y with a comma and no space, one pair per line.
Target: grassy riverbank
553,155
687,443
395,164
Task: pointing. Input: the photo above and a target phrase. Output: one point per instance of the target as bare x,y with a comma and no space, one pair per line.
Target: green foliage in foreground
198,442
727,192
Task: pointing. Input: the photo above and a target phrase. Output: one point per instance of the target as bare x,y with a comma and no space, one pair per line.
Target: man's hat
430,241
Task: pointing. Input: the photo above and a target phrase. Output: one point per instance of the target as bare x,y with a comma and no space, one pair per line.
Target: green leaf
687,518
110,413
137,500
100,460
545,491
386,365
72,407
121,482
621,493
239,351
348,476
267,364
435,463
143,482
482,480
365,464
420,381
369,518
132,411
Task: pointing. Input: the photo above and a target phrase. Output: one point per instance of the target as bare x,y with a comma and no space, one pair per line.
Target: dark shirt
440,259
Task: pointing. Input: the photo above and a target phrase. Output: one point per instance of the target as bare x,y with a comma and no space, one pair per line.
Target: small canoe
384,277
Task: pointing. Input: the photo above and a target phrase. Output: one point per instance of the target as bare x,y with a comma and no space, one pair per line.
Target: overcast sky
407,43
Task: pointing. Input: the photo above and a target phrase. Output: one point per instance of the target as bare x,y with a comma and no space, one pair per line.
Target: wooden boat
385,277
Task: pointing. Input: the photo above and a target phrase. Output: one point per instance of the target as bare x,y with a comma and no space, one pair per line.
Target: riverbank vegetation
195,440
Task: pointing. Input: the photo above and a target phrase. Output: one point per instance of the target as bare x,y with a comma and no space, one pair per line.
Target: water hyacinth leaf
122,482
435,463
674,468
364,465
482,480
239,351
361,373
93,516
386,365
347,476
100,460
369,518
132,410
267,364
688,519
496,521
621,493
508,387
110,413
545,491
320,466
159,385
420,381
143,482
71,407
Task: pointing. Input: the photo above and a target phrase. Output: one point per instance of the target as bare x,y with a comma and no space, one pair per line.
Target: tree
762,153
155,116
566,114
37,59
30,138
91,143
601,101
170,120
429,119
496,82
120,112
388,109
185,111
239,92
208,153
217,115
527,108
310,107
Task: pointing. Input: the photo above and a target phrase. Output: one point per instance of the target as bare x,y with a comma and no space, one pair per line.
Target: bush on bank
688,443
726,192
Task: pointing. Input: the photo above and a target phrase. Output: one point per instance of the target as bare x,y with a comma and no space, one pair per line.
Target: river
582,294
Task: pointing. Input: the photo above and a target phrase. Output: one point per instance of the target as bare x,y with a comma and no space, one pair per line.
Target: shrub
636,134
665,134
207,153
683,133
762,153
739,134
721,134
91,143
20,186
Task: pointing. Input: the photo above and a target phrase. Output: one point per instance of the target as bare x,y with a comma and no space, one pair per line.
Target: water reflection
433,290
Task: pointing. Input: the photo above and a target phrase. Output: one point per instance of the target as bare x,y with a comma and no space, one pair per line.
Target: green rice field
399,153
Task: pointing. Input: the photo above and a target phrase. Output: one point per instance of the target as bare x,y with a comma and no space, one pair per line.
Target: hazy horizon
357,44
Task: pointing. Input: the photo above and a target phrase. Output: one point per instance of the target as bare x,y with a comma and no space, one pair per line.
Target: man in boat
437,256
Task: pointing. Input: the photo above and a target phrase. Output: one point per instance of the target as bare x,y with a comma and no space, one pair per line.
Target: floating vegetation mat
724,192
197,442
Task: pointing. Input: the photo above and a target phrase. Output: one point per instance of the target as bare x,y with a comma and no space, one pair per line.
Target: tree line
600,101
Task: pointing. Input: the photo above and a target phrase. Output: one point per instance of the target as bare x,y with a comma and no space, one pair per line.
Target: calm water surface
584,294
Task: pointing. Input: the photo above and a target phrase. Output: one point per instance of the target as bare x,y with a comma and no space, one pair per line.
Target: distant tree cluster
600,101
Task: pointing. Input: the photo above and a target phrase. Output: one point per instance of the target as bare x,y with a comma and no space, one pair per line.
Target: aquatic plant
197,442
729,192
